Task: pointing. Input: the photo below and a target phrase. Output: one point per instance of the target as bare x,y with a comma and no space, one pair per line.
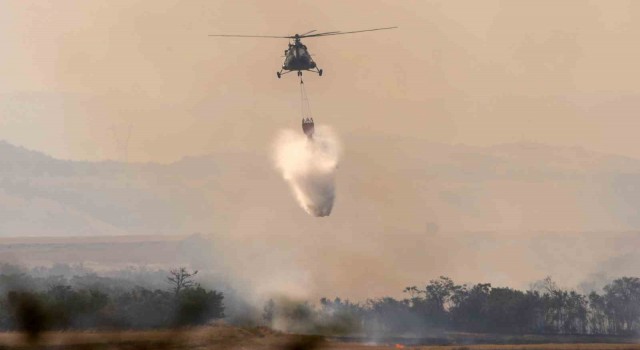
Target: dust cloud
309,166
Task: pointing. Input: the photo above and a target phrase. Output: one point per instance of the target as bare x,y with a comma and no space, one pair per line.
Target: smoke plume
309,166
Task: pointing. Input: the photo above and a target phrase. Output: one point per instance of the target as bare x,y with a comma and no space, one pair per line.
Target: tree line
36,304
63,298
442,305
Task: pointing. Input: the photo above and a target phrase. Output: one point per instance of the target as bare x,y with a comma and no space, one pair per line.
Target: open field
97,252
223,337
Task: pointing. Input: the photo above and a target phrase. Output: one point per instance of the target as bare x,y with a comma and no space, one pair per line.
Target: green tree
622,297
181,279
198,306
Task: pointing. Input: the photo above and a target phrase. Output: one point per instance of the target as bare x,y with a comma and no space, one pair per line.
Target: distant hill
521,186
42,196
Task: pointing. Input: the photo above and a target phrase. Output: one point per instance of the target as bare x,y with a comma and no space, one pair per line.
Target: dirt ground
230,338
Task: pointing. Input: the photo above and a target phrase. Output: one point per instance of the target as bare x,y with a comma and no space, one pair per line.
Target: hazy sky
76,74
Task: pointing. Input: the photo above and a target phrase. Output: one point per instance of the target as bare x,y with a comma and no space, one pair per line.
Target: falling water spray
309,165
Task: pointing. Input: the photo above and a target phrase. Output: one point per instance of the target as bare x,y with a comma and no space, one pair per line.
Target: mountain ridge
464,188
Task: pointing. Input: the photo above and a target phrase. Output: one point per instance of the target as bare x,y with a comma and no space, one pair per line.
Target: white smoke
309,166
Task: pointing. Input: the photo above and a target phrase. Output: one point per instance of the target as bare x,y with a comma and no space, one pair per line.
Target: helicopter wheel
320,72
278,74
299,73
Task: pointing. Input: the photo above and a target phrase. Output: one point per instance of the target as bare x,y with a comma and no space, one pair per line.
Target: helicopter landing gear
281,73
299,73
317,71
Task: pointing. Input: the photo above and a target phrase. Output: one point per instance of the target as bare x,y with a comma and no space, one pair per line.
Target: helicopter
297,56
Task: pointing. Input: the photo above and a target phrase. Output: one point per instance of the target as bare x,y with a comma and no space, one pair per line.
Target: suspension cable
301,98
304,100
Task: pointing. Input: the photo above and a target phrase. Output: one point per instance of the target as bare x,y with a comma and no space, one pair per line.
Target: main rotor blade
319,34
305,35
252,36
340,33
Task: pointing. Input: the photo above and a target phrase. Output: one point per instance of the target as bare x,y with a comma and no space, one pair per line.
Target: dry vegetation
212,337
537,347
231,338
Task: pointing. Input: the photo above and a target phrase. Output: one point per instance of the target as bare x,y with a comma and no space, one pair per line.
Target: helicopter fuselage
297,58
